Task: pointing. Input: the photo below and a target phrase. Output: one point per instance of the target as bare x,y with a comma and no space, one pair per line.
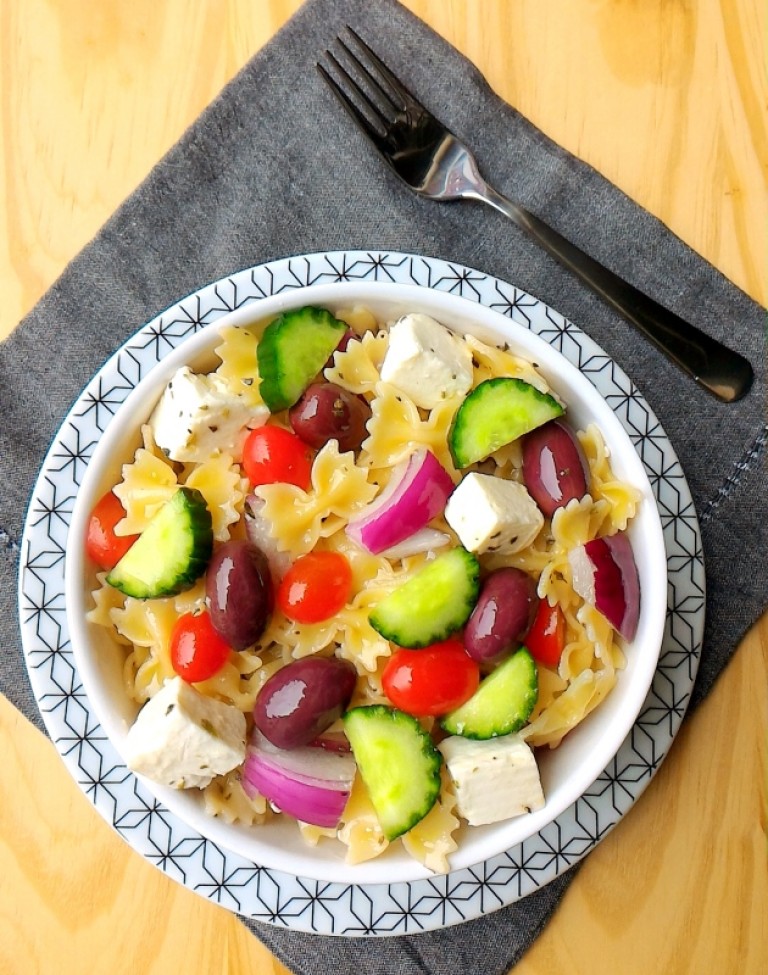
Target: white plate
274,896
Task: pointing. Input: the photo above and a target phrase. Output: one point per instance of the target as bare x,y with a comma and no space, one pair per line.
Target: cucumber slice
502,703
434,603
495,413
292,351
172,551
398,762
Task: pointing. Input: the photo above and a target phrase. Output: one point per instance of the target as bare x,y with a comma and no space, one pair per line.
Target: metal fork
432,161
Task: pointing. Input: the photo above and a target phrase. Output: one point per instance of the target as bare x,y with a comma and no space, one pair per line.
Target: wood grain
668,100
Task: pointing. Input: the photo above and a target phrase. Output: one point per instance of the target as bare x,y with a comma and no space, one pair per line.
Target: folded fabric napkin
275,168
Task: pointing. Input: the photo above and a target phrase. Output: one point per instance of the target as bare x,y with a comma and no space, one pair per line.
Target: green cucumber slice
292,351
502,703
434,603
495,413
172,551
398,762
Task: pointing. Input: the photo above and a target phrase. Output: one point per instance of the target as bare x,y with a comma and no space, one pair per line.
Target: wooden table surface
668,100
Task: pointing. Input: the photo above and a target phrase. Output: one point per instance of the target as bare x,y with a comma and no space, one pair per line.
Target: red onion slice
417,492
424,540
605,576
311,784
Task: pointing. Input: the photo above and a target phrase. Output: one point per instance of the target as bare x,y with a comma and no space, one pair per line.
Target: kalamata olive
238,589
502,616
302,699
328,412
554,466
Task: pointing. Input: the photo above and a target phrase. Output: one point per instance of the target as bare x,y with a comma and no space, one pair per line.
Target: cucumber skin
464,426
478,719
402,618
388,724
281,382
193,512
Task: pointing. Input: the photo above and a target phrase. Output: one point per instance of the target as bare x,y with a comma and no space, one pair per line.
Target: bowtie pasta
314,518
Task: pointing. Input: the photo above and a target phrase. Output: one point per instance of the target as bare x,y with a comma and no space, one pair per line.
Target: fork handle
711,364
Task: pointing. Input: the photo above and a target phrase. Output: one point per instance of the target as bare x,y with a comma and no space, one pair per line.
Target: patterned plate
269,895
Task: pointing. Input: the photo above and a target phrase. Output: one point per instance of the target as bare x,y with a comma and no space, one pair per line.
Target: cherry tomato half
315,587
102,545
274,454
546,637
197,650
431,681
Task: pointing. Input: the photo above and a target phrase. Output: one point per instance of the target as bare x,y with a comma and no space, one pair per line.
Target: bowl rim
305,862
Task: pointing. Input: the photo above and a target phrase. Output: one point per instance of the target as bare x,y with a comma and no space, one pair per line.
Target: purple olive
238,588
502,616
554,466
303,699
328,412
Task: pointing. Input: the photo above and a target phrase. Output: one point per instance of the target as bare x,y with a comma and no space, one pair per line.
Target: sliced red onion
332,741
258,531
424,540
605,576
416,493
311,784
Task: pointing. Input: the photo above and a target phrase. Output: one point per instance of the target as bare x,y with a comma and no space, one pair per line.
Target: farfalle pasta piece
579,698
105,600
234,682
225,797
396,429
301,639
312,834
432,840
220,483
299,519
622,498
579,521
599,632
239,365
490,362
551,685
147,483
360,831
357,368
359,318
147,625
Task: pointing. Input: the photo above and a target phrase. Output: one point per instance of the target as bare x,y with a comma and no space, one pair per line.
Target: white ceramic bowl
566,772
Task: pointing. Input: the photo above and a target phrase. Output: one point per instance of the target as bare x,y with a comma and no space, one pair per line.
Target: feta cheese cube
491,514
426,361
183,739
199,416
493,780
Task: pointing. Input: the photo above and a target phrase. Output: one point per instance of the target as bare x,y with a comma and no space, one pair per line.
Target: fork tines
366,87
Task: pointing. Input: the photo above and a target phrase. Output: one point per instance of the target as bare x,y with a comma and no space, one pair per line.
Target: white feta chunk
493,780
426,361
491,514
183,739
198,416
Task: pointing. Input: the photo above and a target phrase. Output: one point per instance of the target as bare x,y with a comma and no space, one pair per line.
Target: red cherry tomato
102,545
197,650
315,587
546,637
274,454
431,681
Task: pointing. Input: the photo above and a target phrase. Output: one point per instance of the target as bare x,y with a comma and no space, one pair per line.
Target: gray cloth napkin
275,168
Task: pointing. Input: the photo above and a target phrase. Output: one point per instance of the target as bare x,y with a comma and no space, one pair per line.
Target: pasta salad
362,572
